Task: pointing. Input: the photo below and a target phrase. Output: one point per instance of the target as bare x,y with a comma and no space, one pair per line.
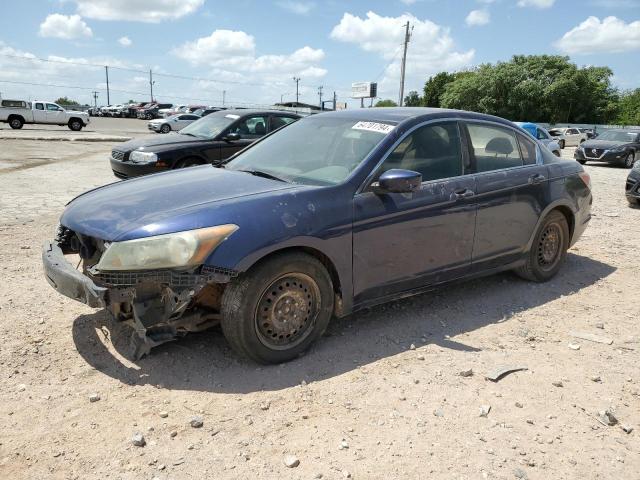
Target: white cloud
610,35
232,56
296,6
431,49
408,2
536,3
137,10
477,18
125,41
63,26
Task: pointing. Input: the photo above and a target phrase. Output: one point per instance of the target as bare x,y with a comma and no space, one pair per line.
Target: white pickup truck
18,112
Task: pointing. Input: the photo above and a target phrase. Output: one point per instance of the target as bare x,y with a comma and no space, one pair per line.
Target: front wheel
629,161
548,251
75,125
165,128
274,312
561,143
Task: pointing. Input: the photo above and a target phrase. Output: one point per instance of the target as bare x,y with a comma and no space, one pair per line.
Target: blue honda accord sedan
330,214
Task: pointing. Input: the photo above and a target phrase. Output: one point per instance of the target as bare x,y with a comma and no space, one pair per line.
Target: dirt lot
380,397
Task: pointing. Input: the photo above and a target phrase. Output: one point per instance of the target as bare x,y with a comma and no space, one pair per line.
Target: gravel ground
380,397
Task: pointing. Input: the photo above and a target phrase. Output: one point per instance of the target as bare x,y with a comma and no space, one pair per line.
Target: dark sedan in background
619,147
331,214
211,139
632,189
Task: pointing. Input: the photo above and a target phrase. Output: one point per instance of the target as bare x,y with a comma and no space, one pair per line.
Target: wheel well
189,157
326,261
568,214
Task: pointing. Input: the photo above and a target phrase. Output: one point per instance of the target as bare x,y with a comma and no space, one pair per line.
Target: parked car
209,140
331,214
632,189
43,112
568,137
174,123
150,111
203,112
166,112
590,132
542,135
620,147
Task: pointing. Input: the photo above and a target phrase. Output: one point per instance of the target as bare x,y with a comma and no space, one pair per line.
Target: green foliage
65,101
385,103
412,99
537,88
629,108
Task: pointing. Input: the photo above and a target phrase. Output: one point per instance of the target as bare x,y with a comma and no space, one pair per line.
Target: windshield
210,126
316,150
617,136
556,133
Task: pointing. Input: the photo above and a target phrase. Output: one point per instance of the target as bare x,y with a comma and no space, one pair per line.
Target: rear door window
493,147
251,127
528,150
39,106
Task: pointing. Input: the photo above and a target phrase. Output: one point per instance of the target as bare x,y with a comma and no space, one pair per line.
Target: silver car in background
174,123
568,137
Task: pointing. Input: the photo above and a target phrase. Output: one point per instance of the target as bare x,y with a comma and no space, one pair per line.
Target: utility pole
320,95
224,96
106,72
297,80
151,82
407,38
95,99
335,98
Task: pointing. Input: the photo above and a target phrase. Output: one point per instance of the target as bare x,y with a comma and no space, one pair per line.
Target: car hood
164,203
155,142
604,144
77,112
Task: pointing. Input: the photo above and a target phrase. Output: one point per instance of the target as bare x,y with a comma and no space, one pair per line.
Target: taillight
584,176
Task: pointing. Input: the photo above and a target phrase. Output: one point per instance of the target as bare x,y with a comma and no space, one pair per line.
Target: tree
412,99
434,88
386,103
629,112
536,88
65,101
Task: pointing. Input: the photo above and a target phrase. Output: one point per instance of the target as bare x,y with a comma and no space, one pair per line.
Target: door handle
536,179
462,193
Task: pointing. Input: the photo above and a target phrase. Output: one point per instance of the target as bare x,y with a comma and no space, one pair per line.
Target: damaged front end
159,304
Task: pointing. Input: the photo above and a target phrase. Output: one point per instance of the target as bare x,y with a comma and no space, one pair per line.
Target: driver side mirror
398,181
232,137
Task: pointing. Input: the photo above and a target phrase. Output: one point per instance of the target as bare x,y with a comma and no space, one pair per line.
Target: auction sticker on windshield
374,127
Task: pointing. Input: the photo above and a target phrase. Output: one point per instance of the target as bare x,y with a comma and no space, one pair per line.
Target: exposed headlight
143,157
173,250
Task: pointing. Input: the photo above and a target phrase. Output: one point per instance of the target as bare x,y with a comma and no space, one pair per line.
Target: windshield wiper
190,134
259,173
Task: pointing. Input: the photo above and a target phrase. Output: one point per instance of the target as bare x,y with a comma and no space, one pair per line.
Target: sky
249,51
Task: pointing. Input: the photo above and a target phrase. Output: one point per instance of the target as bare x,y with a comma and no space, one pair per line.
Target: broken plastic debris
591,337
500,372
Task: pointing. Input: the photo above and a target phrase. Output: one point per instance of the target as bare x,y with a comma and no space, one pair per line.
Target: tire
75,124
628,161
557,153
16,123
260,308
165,128
189,162
582,162
561,143
634,202
547,255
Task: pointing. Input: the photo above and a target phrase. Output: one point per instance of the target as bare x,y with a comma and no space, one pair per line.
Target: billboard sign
364,90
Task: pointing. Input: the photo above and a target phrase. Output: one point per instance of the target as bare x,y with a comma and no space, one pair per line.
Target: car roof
402,114
242,112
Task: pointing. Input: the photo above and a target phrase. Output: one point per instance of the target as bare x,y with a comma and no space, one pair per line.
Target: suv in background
568,137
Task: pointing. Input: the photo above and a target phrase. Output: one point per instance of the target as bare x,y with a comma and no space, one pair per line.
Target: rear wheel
275,311
165,128
16,123
188,162
548,250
